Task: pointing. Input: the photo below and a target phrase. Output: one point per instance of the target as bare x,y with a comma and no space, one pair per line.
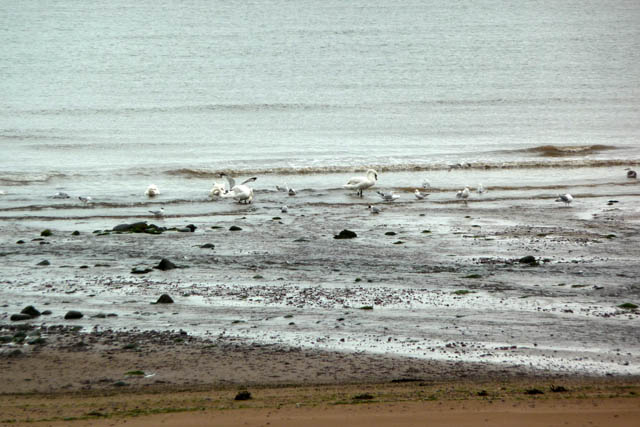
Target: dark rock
75,233
120,384
533,391
19,317
164,299
20,242
390,233
243,395
136,227
46,312
345,234
208,246
529,259
46,233
44,262
137,270
191,227
72,314
165,265
31,311
15,353
235,228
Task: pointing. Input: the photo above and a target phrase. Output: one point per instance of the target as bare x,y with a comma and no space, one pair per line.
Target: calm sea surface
104,98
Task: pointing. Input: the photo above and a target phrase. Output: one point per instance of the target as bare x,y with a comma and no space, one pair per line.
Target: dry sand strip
522,402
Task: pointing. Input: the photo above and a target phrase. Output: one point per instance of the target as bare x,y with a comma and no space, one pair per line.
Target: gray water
103,99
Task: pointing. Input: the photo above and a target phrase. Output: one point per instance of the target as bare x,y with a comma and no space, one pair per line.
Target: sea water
102,99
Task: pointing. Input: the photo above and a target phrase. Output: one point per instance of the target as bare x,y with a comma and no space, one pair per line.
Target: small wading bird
242,193
284,209
463,194
158,213
286,189
388,197
374,209
60,195
152,191
566,198
419,195
85,199
481,189
361,183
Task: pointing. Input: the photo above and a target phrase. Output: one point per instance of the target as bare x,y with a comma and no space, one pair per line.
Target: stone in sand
19,317
44,262
235,228
137,270
165,265
529,259
164,299
31,311
345,234
73,314
208,246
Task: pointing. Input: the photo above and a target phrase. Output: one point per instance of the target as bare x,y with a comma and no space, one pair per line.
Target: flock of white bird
243,193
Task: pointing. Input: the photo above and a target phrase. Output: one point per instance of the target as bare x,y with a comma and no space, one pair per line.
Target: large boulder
165,265
31,311
345,234
73,314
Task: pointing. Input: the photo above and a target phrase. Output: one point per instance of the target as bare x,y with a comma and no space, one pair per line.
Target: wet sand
429,291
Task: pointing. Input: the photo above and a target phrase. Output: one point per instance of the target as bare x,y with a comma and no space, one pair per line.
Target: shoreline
100,378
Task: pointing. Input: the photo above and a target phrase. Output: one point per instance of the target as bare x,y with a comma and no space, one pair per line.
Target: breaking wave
191,173
566,151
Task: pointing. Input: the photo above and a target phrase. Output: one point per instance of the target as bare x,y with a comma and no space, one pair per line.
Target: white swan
360,183
242,193
218,190
152,191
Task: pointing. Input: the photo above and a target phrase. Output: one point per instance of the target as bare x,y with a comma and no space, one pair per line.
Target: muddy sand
432,293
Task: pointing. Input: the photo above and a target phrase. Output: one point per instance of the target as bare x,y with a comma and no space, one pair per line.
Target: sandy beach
429,297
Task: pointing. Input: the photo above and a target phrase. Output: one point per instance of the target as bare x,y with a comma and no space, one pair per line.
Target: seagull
388,197
426,184
152,191
631,173
463,194
159,213
217,190
419,195
242,193
566,198
284,209
85,199
283,189
374,209
480,189
361,183
60,195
